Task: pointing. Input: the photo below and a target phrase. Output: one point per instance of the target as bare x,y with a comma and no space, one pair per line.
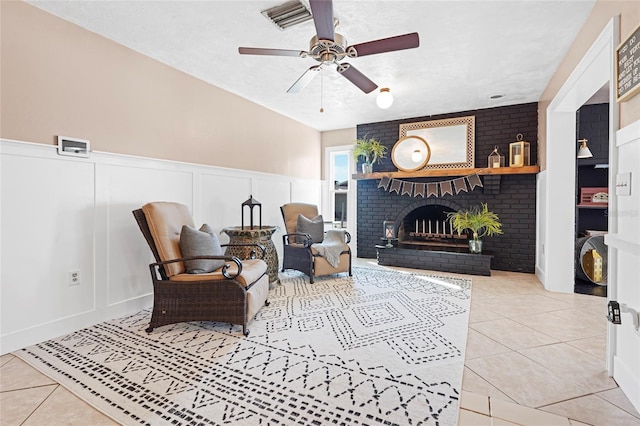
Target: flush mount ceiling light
584,151
385,98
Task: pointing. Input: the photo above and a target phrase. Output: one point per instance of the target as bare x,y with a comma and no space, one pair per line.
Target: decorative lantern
388,228
495,159
251,203
519,153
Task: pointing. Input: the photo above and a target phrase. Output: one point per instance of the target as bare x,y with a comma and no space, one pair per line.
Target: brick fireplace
512,197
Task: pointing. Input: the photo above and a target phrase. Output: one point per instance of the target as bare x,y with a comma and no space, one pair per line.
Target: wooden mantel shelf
450,172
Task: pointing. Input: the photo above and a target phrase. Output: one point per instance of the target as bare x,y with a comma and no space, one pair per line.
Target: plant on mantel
371,150
479,220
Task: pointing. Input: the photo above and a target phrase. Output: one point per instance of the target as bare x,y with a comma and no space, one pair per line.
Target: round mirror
411,153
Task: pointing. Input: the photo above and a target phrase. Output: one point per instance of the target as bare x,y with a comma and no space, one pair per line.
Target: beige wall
59,79
336,138
603,11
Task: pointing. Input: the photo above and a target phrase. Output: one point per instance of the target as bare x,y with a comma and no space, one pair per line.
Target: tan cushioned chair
298,252
233,293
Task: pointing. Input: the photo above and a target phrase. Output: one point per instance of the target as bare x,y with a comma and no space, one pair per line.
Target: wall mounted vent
73,147
288,14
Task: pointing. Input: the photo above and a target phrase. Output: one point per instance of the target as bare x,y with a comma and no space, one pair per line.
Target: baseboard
629,383
30,336
541,275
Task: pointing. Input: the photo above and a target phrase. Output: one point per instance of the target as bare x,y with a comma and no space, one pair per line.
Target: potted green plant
479,220
371,150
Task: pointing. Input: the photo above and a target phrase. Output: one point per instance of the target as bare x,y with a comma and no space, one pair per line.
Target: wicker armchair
233,293
300,252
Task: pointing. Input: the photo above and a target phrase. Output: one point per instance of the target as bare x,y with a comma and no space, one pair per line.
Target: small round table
258,235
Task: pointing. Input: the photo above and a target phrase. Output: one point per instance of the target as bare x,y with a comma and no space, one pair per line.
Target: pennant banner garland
460,185
436,189
395,185
407,188
445,188
432,189
384,183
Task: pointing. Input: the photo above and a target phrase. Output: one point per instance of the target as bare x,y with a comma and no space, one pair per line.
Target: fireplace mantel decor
425,190
452,141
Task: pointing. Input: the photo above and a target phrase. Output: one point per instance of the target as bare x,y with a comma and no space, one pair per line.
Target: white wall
63,213
541,231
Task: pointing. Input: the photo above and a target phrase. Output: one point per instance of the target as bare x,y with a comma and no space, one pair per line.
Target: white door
624,258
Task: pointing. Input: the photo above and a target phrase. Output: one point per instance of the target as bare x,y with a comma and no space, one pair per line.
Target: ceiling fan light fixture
384,99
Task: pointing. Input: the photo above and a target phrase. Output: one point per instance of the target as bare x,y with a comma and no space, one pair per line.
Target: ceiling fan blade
304,79
270,52
356,77
322,12
401,42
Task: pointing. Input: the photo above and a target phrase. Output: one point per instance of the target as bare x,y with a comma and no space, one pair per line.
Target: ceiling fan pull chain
321,91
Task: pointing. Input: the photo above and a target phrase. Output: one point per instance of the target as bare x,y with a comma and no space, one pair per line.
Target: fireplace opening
427,228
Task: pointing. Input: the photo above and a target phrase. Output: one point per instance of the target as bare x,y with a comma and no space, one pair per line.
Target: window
339,172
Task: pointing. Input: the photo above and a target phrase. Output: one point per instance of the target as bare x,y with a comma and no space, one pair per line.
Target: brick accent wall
512,197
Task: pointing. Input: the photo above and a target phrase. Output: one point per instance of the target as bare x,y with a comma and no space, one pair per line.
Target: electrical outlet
74,277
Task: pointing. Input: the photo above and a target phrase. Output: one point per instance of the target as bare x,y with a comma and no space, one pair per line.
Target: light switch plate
623,184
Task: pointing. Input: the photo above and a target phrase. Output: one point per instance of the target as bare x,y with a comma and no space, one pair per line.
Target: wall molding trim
64,213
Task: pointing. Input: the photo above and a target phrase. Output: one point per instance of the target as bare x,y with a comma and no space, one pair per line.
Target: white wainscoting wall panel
127,187
220,199
61,214
47,231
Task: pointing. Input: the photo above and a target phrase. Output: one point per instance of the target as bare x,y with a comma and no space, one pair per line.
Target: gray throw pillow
201,242
314,227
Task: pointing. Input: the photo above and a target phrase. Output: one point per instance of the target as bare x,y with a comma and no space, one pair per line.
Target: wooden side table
257,235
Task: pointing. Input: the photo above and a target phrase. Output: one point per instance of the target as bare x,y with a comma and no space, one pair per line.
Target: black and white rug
380,348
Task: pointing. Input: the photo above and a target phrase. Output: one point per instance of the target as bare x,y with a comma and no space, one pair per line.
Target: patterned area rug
380,348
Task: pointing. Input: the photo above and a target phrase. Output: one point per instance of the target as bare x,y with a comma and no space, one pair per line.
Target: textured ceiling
469,51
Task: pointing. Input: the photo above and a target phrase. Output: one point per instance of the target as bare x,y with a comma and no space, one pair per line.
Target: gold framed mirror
451,140
410,153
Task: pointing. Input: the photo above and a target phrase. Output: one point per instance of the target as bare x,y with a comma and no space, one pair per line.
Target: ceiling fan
330,48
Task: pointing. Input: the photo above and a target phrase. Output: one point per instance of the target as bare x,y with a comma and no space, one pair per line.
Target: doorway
592,198
557,215
339,209
557,184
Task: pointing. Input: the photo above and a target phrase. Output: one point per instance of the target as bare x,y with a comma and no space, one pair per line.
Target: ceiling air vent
288,14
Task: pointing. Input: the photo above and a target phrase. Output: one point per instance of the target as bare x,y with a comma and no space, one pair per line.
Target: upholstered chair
307,248
198,287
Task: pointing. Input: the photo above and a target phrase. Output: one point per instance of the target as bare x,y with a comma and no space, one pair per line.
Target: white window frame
350,223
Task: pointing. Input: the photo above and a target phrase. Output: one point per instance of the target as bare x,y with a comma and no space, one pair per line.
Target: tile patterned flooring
532,358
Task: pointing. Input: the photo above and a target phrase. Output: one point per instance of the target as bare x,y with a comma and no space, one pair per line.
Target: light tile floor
532,358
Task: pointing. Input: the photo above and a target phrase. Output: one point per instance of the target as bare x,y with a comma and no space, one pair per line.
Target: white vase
367,168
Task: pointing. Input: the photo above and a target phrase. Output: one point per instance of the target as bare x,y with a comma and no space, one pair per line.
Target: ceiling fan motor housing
328,51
